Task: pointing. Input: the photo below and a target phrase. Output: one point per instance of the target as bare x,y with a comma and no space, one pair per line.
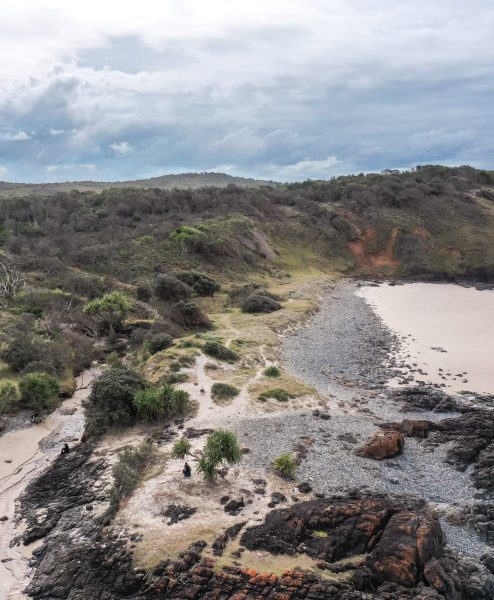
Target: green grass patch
277,394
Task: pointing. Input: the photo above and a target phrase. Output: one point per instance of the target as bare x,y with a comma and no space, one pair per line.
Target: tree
38,390
111,309
11,279
221,447
170,288
111,401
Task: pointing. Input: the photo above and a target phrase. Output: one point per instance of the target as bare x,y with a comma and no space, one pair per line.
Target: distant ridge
167,182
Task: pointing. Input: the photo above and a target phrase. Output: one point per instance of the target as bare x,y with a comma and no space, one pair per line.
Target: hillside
165,182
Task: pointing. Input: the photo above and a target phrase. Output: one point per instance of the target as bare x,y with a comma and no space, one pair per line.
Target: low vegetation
277,394
272,371
129,470
9,397
160,403
260,303
224,391
38,391
285,465
218,350
221,447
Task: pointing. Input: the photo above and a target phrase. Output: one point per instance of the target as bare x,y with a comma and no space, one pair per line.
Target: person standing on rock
65,449
187,471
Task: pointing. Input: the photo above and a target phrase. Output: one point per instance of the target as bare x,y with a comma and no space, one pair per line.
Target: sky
274,89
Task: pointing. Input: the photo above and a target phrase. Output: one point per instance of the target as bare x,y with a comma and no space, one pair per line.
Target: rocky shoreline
417,525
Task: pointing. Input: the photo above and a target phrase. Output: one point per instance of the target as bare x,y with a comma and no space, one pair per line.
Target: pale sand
455,318
27,461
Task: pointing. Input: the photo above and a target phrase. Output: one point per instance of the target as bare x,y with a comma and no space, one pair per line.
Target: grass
276,393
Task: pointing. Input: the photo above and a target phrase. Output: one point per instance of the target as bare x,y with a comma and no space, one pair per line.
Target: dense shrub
277,394
202,284
23,350
129,470
161,403
222,391
272,371
218,350
144,292
39,366
38,390
259,303
285,465
111,401
9,397
190,316
110,309
167,287
158,342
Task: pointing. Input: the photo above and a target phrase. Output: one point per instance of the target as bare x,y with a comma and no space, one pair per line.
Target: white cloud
3,171
269,87
17,136
122,148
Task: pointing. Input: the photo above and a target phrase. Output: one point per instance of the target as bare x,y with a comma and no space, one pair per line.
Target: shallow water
445,326
24,455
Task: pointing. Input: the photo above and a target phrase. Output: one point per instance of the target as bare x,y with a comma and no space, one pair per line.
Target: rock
233,507
304,487
3,519
417,428
408,542
277,498
382,445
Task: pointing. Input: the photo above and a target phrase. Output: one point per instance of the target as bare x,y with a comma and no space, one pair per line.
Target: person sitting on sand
65,449
187,471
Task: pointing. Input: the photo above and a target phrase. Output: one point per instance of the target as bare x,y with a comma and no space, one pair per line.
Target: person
187,471
65,449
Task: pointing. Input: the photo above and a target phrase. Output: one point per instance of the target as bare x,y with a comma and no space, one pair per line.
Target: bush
221,446
158,342
181,448
39,366
129,470
161,403
144,292
190,316
258,303
111,401
38,390
203,285
110,309
9,397
217,350
286,465
167,287
272,371
22,350
223,390
277,394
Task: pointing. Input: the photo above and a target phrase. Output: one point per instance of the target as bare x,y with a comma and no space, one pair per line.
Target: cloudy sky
276,89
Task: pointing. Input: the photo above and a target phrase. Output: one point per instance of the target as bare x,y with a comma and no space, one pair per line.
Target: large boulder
409,541
382,445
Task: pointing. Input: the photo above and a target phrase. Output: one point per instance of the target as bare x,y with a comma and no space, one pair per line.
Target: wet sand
24,455
441,326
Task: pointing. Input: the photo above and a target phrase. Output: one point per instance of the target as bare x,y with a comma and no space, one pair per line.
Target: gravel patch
343,352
